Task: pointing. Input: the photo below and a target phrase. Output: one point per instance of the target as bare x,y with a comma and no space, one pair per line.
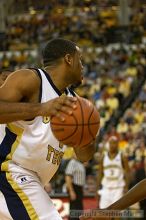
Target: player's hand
55,107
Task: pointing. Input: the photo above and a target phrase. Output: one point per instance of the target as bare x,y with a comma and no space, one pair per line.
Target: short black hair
56,49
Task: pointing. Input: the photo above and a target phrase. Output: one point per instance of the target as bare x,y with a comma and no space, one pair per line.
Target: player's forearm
10,112
137,193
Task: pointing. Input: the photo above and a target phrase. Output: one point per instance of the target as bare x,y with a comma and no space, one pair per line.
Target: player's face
77,67
113,145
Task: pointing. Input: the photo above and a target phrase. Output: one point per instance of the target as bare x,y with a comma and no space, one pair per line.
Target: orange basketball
80,128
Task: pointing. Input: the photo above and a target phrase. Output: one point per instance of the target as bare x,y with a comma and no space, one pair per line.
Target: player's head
65,53
113,144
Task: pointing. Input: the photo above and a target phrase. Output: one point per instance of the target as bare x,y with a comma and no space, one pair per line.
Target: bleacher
114,59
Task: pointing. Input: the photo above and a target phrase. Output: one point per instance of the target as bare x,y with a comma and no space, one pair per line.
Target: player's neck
57,77
112,154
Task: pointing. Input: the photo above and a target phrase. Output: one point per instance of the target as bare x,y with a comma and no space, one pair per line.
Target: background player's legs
109,196
117,194
104,198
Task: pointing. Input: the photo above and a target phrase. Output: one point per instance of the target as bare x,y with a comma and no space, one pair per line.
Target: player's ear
68,59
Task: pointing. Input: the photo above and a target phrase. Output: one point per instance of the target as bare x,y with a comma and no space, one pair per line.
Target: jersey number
112,172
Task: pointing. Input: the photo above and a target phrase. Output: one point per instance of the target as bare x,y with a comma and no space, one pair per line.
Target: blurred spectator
122,126
142,95
88,23
90,186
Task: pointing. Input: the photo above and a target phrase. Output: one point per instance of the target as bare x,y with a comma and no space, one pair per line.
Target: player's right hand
55,107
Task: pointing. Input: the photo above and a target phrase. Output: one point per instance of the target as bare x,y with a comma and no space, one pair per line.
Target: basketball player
113,175
29,153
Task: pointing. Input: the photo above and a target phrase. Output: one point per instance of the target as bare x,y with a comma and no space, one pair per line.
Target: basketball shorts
22,197
109,196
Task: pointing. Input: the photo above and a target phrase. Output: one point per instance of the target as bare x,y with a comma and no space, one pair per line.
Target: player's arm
24,85
126,172
136,194
86,153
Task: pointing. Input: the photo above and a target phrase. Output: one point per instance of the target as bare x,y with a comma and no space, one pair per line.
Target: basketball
80,128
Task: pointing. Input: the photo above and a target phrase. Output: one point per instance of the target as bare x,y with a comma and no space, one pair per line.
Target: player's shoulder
26,73
25,77
25,80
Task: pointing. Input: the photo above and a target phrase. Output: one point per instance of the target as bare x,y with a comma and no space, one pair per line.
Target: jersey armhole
37,72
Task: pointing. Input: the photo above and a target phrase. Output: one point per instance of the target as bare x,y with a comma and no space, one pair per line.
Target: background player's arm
19,99
126,172
99,175
86,153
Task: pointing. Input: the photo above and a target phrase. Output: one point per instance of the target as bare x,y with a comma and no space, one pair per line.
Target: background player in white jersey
29,153
113,175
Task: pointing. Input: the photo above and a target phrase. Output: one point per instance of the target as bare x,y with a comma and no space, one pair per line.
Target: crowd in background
89,23
111,73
